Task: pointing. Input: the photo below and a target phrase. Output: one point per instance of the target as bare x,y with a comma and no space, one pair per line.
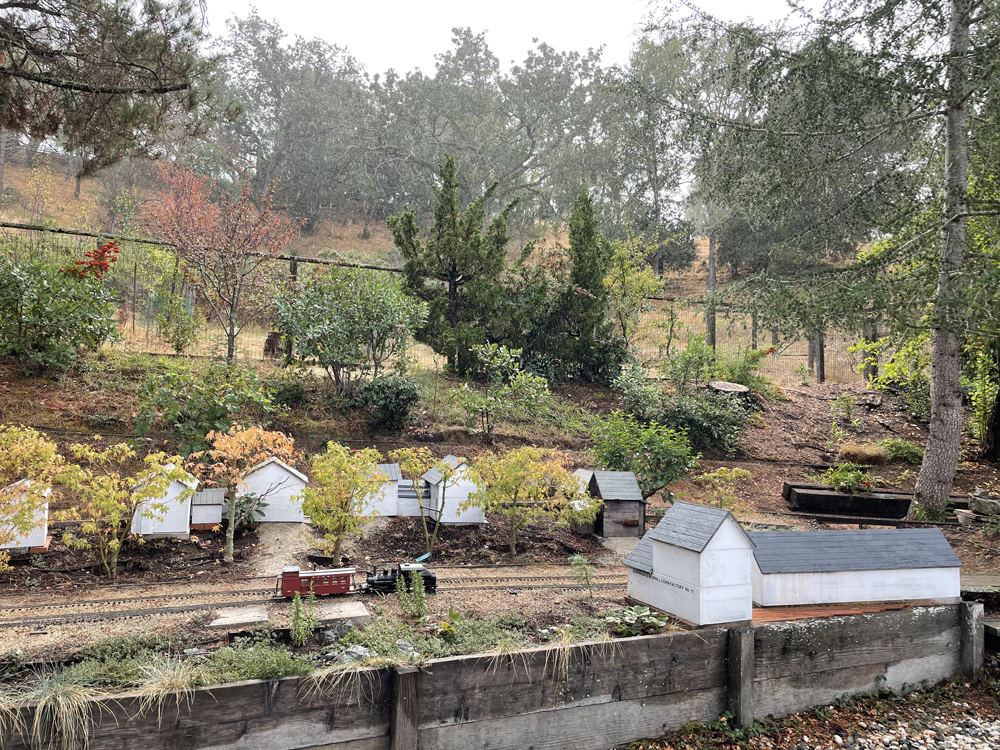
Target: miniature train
340,581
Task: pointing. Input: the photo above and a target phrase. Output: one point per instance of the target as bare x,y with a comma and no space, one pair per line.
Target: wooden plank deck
815,612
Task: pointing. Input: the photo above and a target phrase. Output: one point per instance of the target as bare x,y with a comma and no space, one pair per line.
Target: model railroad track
109,609
52,614
825,517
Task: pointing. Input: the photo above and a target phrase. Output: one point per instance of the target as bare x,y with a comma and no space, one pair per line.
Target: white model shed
175,520
457,492
206,509
832,567
407,505
579,527
34,539
280,486
385,500
696,565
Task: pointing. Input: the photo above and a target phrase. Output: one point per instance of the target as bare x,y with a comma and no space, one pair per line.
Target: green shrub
712,421
657,454
691,366
304,620
125,647
260,661
288,388
847,477
902,451
179,323
195,403
389,401
635,621
47,315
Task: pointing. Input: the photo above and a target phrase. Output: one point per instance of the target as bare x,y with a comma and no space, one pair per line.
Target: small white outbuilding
458,489
175,519
839,567
280,486
385,500
35,539
697,564
206,509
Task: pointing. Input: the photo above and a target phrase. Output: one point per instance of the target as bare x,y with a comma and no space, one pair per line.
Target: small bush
288,389
847,477
47,315
304,620
260,661
195,403
902,451
633,621
179,323
389,401
657,454
414,600
712,421
125,647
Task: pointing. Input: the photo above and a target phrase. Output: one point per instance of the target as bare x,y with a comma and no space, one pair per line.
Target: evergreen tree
457,271
586,298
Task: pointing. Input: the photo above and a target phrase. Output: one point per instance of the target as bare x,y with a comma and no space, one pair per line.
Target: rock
194,652
984,506
334,633
337,612
239,617
838,740
406,650
353,654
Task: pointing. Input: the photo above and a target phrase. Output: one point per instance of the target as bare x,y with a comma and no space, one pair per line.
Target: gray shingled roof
642,556
389,471
433,476
833,551
617,485
691,526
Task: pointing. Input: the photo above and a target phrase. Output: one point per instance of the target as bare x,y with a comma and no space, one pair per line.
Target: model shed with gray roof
385,500
833,567
623,512
696,565
444,498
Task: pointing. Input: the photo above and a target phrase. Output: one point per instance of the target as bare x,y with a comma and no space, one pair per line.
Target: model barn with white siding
833,567
385,500
280,485
623,512
697,564
35,539
206,509
173,521
457,492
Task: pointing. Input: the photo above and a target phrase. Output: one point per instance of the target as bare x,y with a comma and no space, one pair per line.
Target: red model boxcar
318,582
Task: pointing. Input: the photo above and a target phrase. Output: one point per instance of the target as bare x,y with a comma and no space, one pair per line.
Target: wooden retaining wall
586,697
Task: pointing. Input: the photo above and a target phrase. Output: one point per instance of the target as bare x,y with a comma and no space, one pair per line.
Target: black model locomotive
385,582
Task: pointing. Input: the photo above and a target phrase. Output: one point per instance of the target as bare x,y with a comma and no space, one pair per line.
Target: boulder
984,506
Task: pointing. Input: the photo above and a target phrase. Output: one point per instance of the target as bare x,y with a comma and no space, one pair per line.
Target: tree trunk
991,440
3,156
231,528
937,472
821,357
710,332
76,190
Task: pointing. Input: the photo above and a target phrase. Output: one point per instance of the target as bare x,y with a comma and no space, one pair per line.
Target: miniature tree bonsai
29,464
111,496
231,455
528,485
342,483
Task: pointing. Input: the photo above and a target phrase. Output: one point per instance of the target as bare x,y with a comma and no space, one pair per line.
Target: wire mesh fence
147,275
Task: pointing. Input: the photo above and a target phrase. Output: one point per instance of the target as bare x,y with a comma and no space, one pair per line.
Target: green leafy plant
508,390
658,455
342,485
179,323
802,373
902,451
448,629
194,403
712,421
304,619
633,621
352,323
47,315
412,598
249,511
583,572
389,400
847,477
721,485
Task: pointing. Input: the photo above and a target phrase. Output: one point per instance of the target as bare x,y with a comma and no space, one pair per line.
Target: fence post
970,617
821,357
405,708
740,666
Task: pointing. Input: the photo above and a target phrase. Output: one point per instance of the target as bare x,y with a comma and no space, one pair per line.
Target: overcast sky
383,34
